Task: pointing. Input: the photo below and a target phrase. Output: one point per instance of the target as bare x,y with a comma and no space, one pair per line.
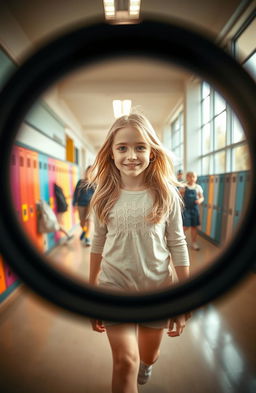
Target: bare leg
124,346
193,234
82,215
64,231
149,341
88,224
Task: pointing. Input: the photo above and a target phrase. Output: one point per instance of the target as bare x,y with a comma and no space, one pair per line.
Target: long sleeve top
136,254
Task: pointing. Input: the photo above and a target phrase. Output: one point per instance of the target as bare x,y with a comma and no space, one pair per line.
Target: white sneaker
144,374
195,246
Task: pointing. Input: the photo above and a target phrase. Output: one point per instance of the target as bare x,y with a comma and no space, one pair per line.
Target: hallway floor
44,349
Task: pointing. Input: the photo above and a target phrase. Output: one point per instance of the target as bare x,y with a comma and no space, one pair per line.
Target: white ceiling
153,87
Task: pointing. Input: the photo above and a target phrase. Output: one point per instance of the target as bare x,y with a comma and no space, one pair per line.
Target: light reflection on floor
44,349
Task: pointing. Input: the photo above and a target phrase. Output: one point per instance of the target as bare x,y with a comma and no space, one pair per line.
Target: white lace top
135,254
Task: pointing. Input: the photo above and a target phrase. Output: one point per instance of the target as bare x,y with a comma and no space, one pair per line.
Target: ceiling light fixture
121,107
122,11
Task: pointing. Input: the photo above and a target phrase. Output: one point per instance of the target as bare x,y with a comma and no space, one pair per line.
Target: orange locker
15,181
231,205
210,205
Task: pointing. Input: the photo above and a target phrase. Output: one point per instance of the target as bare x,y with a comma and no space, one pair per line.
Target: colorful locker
65,185
15,181
52,180
23,189
71,174
61,180
240,197
44,190
32,222
220,198
75,178
246,189
231,206
210,205
36,187
68,194
2,276
225,210
204,182
214,207
10,277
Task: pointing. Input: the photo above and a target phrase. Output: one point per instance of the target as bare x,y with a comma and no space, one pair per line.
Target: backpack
61,202
46,218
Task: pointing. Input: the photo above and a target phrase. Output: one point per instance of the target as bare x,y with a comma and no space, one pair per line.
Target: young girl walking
137,228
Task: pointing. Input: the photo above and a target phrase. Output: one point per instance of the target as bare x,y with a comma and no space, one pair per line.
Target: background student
81,198
193,197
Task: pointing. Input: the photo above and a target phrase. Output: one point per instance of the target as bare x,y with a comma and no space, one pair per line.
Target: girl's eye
141,148
121,148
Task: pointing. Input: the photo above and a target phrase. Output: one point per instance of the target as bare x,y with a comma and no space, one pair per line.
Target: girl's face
131,152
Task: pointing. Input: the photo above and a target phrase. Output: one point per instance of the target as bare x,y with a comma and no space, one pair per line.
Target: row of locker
225,197
32,177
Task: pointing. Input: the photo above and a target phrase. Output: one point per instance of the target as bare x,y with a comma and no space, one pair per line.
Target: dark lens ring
159,40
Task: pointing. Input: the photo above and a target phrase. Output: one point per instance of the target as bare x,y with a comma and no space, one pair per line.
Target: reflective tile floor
44,349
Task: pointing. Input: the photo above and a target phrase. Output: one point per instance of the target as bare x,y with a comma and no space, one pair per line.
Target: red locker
32,224
15,181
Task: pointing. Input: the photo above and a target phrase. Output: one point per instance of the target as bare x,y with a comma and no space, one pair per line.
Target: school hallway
69,71
45,349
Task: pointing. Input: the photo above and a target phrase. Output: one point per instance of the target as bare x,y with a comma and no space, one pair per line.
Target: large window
177,141
223,143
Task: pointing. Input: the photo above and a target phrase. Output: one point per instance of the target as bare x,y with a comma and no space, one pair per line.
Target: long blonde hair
159,174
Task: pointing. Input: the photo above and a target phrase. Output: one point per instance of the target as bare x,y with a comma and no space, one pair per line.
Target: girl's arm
95,262
99,238
182,273
200,198
177,324
176,243
98,242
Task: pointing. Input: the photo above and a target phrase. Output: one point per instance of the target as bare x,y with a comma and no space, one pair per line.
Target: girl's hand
97,325
176,325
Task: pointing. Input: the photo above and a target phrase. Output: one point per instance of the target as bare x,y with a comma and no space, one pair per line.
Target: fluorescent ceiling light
122,11
126,105
121,107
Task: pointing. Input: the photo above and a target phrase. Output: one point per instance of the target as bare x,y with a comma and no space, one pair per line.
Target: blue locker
215,207
44,191
220,198
240,196
204,183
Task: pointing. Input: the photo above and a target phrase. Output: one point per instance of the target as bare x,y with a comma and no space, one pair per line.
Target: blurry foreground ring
85,46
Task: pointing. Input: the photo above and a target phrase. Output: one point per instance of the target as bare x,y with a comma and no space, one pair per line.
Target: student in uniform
193,197
81,199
